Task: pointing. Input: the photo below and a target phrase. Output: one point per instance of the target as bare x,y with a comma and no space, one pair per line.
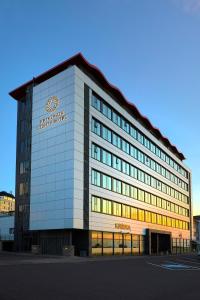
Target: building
196,228
93,172
7,231
7,202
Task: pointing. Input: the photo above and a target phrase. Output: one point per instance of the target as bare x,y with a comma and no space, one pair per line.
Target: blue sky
149,49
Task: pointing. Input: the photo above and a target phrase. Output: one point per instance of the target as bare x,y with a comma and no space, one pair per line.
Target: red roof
96,74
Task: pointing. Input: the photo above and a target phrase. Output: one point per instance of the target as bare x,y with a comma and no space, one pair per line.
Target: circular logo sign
52,104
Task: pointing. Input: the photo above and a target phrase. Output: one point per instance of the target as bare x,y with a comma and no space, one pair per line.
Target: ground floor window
108,243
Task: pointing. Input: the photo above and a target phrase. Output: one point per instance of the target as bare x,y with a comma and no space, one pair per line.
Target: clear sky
150,49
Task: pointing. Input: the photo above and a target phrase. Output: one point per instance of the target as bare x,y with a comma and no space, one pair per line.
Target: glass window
153,165
147,216
117,163
106,207
153,182
107,243
96,102
126,211
147,161
172,207
116,118
140,156
164,204
169,222
96,204
153,200
141,175
140,138
133,152
161,186
133,172
147,197
107,111
106,182
157,151
147,179
125,125
125,168
117,186
173,223
116,140
133,192
117,209
159,219
168,206
125,189
140,214
146,143
96,127
152,147
133,132
96,152
118,243
140,195
159,202
125,146
153,218
106,134
134,215
106,158
164,220
96,242
96,178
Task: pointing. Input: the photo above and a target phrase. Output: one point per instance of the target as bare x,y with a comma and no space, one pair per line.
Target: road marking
174,266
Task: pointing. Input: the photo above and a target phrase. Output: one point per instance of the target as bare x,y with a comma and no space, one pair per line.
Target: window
133,152
106,111
133,132
24,167
133,192
125,189
106,158
96,152
169,222
159,219
125,146
164,220
23,188
125,125
116,118
134,214
164,204
96,204
140,214
117,209
140,138
96,102
117,164
153,200
96,127
116,141
96,178
106,182
140,156
147,216
125,168
133,172
147,179
106,134
141,175
126,211
147,197
140,195
153,218
106,207
159,202
117,186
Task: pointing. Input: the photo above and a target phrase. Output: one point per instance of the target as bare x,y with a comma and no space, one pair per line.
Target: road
150,278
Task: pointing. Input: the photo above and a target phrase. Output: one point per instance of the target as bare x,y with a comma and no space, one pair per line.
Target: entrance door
154,243
160,243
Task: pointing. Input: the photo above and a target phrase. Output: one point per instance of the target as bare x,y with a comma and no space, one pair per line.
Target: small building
6,231
196,228
7,202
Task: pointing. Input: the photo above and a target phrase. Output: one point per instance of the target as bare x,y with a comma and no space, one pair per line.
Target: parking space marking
174,266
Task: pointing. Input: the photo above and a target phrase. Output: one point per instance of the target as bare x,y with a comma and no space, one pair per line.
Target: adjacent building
93,172
7,202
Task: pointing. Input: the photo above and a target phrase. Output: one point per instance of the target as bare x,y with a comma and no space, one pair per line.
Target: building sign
57,117
122,226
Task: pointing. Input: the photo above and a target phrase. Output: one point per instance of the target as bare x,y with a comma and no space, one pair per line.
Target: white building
93,172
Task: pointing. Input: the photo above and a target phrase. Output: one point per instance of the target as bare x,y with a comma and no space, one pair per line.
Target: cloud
189,6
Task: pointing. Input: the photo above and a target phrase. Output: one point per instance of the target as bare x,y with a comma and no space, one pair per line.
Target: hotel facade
94,173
